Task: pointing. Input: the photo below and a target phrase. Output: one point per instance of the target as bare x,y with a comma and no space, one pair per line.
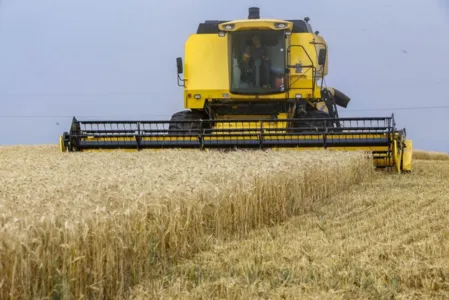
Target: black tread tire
190,127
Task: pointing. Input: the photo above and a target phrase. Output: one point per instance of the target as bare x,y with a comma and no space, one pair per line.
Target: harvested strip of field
383,239
94,224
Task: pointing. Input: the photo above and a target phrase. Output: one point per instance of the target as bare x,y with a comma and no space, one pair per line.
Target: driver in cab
258,51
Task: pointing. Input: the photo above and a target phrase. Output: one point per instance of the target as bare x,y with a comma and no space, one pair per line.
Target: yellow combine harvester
253,83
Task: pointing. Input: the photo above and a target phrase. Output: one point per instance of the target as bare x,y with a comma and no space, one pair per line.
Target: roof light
228,27
280,25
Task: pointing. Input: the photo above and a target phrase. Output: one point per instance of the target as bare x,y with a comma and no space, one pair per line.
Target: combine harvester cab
258,84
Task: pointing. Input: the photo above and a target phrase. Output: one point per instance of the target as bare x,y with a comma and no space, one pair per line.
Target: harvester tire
186,127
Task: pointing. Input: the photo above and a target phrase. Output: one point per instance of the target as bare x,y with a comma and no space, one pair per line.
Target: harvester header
253,83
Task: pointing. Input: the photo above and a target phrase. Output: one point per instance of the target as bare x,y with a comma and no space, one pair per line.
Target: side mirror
322,57
179,65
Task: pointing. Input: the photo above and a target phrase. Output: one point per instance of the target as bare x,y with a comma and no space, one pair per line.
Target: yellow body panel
62,147
396,156
206,68
407,156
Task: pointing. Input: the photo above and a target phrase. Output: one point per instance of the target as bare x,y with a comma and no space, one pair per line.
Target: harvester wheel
186,127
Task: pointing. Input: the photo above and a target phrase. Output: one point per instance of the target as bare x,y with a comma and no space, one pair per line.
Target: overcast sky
111,59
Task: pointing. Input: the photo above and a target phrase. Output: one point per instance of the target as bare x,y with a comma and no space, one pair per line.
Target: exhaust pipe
253,13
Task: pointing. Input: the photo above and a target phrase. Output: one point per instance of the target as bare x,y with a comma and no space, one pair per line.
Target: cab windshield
257,62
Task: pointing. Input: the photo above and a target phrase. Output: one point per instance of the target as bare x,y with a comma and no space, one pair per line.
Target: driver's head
256,39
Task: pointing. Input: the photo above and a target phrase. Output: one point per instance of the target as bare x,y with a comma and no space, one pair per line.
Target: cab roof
211,26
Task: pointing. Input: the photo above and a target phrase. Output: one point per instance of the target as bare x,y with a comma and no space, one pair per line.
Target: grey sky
116,59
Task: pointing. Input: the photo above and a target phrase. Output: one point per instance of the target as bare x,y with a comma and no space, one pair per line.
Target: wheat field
95,225
430,155
385,238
